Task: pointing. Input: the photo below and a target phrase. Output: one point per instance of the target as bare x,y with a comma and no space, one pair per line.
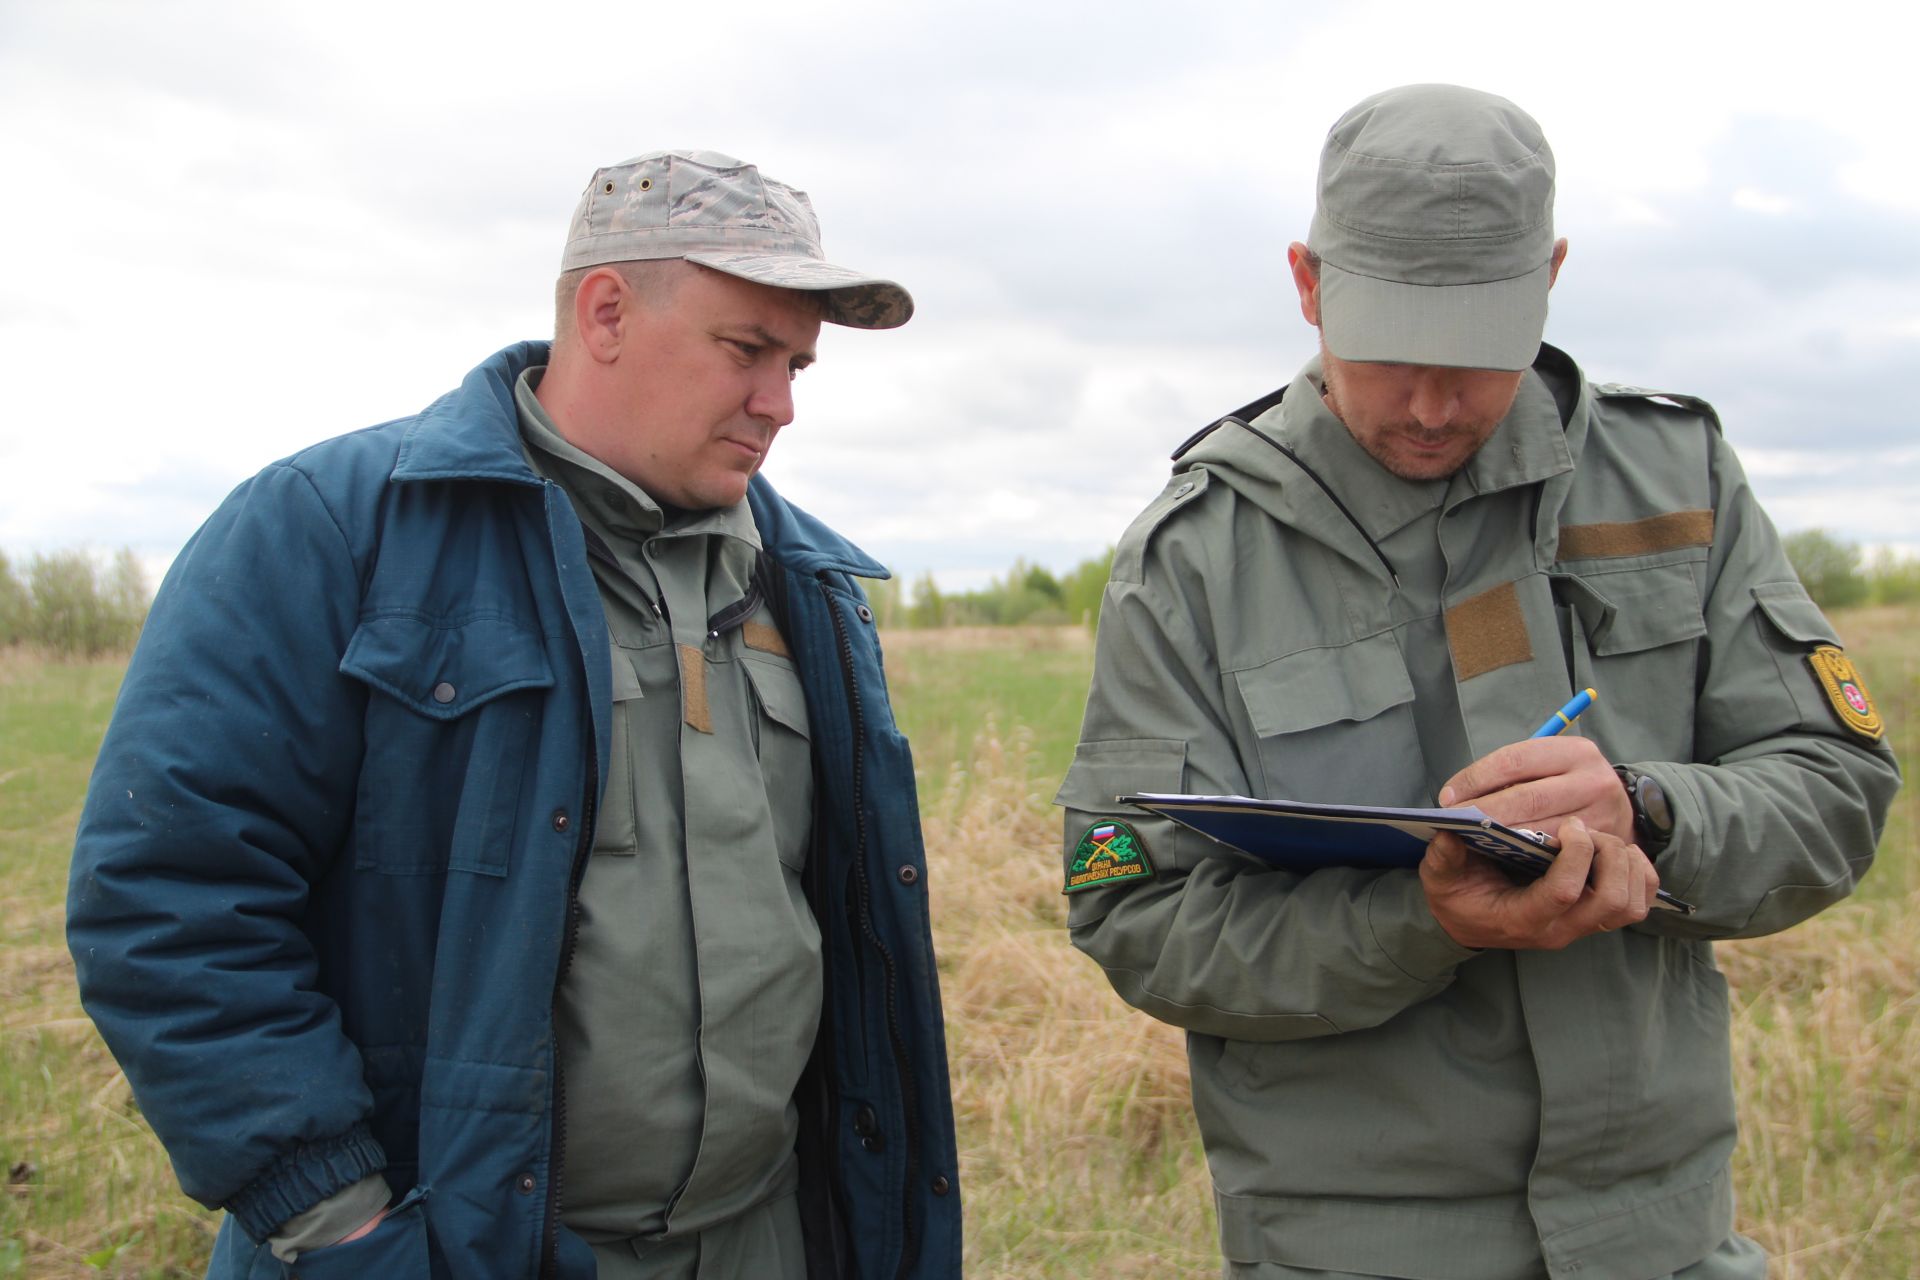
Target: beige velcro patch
1487,631
1667,532
695,711
758,635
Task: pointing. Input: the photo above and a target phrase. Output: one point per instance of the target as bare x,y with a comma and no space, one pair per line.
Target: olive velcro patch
1845,693
1108,853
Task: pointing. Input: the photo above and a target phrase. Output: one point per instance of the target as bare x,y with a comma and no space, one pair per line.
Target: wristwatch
1652,815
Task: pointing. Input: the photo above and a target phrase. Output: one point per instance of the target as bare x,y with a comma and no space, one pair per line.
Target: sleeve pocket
1793,628
1101,773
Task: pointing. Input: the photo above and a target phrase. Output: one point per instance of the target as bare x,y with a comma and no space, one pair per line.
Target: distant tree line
1029,595
1836,575
67,603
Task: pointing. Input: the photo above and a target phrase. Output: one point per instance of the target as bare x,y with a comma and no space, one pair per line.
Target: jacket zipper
550,1235
863,890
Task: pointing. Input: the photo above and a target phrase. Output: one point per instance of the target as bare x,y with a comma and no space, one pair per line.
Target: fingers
1515,763
1542,783
1619,889
1566,880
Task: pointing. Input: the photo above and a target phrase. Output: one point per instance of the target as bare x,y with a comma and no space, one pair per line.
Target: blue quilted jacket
324,883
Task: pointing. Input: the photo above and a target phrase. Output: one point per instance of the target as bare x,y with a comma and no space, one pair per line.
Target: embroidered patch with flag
1845,693
1107,854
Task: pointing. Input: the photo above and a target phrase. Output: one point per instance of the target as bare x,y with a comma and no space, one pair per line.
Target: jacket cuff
303,1178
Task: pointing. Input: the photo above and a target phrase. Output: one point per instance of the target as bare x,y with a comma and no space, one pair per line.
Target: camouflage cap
1434,227
719,212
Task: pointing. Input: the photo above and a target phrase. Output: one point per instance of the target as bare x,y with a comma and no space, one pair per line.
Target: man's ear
601,308
1306,282
1553,263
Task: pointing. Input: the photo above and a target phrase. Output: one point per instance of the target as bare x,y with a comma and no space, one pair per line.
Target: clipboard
1296,835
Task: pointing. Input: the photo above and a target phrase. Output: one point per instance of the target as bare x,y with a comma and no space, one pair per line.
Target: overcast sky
231,229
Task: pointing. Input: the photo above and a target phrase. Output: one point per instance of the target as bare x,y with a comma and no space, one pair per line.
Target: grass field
1079,1155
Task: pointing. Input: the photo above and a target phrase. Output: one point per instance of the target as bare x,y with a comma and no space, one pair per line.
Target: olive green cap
1434,228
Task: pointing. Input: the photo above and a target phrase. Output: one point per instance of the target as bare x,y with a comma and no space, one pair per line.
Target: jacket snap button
870,1144
524,1184
865,1122
909,874
560,820
941,1186
866,614
444,692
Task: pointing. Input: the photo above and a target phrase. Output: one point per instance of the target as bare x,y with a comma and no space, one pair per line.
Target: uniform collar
614,503
1529,445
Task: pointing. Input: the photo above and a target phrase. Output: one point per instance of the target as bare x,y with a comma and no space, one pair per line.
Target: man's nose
771,400
1436,398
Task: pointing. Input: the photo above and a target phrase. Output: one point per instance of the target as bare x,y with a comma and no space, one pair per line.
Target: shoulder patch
1845,693
1108,853
1132,547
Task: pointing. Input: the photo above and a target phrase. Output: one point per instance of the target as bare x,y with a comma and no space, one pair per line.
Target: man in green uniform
1371,588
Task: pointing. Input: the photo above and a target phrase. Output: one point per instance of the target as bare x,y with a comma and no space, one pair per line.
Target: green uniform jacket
1373,1097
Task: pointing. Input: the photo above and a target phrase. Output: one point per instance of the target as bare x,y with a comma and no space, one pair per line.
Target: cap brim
852,299
1494,325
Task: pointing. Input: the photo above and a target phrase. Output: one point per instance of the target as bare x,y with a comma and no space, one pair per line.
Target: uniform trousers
1737,1258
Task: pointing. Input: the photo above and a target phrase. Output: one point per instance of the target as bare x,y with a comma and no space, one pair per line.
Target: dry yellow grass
1078,1150
1078,1153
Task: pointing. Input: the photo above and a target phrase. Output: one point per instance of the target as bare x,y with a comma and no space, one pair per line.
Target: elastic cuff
1404,928
303,1178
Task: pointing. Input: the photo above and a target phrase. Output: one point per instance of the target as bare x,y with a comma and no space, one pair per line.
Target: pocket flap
1324,686
443,670
778,689
626,681
1649,608
1104,771
1793,613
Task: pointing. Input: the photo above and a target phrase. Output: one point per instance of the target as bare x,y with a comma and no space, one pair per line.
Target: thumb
1445,856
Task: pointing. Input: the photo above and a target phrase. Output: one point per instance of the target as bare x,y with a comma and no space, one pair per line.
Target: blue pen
1559,720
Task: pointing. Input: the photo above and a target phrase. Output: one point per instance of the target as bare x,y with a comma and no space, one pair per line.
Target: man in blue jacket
502,861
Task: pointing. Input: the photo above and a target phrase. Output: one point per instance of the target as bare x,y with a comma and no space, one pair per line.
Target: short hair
1312,260
653,280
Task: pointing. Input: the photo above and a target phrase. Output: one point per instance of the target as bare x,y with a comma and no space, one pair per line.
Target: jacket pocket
1335,724
397,1248
451,724
1641,628
782,741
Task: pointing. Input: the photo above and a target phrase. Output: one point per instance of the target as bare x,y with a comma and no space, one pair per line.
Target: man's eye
747,349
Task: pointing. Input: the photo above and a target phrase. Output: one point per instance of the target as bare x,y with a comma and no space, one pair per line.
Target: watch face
1653,805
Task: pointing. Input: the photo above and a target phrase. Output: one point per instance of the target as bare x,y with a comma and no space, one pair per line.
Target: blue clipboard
1299,836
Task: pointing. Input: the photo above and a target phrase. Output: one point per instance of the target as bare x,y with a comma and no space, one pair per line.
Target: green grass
88,1190
947,688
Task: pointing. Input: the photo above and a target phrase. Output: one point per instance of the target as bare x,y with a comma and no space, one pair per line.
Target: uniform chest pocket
1635,640
451,725
781,741
1335,725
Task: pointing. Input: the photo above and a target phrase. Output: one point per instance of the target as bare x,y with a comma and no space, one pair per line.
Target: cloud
246,227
